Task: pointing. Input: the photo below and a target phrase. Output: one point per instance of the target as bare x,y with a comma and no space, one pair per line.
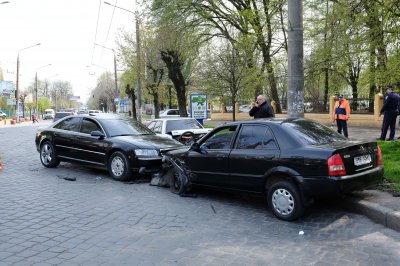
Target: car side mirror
197,148
97,134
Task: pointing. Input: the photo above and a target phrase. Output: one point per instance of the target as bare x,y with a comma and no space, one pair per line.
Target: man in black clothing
261,108
390,111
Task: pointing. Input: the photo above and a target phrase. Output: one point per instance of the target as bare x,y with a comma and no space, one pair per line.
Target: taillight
336,166
379,156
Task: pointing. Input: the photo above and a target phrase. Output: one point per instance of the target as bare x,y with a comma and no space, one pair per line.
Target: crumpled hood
150,141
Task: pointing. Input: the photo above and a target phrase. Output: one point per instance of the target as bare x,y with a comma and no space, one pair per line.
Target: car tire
178,183
285,201
48,155
118,166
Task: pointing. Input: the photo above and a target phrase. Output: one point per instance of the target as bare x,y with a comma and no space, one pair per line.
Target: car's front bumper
145,165
332,186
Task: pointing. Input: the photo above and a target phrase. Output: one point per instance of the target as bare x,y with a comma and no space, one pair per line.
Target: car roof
265,121
172,118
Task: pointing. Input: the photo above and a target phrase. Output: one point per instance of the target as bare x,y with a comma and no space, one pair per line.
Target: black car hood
150,141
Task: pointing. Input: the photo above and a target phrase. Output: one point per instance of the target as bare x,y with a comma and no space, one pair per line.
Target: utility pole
139,87
295,59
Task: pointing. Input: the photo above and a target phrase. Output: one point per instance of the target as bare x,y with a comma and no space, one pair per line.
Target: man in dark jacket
390,111
261,108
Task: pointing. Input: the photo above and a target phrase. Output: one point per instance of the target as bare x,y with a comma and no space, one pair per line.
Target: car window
312,133
182,124
158,127
70,124
173,112
151,125
220,139
256,137
89,125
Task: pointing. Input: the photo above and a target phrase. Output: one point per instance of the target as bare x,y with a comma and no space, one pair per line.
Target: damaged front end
174,173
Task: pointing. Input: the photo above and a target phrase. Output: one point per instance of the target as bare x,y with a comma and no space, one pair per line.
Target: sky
66,31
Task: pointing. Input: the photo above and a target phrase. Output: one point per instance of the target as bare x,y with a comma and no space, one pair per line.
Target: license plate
361,160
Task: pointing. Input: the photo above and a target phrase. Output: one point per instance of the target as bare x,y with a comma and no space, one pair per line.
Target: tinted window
256,137
70,124
310,132
173,112
122,127
182,124
88,126
221,139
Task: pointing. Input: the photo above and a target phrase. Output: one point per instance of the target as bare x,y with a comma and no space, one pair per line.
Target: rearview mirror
98,134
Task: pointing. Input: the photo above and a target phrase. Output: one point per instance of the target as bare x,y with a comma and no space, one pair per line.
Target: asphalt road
47,220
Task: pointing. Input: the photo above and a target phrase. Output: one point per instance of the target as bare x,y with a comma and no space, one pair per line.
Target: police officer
390,111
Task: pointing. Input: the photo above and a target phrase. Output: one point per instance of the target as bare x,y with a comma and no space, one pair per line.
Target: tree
130,91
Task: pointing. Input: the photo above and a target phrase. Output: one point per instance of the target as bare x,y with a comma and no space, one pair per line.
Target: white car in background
183,129
170,113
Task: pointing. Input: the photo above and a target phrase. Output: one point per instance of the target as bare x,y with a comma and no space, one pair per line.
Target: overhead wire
95,36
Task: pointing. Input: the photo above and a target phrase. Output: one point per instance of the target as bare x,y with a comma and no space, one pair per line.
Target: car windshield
312,133
182,124
124,127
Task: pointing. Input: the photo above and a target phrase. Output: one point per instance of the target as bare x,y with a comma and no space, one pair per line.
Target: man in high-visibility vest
341,113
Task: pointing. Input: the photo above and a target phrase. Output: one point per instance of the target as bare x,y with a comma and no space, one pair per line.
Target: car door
64,136
88,148
211,166
254,153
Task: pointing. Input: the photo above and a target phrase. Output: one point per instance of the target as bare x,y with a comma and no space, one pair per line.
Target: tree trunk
326,89
233,99
156,105
172,61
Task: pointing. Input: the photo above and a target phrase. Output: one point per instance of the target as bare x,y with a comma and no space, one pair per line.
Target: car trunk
357,156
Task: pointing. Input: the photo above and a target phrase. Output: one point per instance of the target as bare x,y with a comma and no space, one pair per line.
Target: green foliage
43,104
391,161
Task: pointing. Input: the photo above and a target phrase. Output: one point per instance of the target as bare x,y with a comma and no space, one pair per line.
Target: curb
377,213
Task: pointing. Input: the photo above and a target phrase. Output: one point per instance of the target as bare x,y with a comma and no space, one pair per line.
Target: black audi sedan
290,161
122,146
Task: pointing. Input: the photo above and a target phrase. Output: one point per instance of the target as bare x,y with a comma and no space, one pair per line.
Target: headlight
146,152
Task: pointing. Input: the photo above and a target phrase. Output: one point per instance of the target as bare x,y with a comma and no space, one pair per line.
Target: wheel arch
282,173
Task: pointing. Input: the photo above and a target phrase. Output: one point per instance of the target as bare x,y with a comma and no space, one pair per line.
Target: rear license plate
361,160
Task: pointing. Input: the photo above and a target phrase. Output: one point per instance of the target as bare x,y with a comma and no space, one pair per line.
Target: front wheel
285,201
118,166
48,155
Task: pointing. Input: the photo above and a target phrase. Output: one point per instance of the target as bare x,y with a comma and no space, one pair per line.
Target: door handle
220,156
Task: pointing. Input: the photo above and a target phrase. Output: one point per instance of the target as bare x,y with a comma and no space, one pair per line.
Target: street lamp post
17,81
36,88
115,65
139,86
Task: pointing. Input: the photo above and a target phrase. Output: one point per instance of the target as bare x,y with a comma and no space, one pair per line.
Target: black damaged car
122,146
290,161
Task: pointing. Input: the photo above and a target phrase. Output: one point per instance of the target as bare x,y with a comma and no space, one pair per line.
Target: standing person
390,111
341,113
34,118
261,108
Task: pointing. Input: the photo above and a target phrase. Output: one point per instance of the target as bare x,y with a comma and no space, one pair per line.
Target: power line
95,35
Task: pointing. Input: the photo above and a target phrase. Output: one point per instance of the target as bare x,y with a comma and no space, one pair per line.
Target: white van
48,114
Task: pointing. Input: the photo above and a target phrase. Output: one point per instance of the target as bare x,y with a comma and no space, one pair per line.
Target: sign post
198,107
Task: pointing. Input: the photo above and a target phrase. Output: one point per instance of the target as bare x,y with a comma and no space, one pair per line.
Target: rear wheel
118,166
285,201
48,155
